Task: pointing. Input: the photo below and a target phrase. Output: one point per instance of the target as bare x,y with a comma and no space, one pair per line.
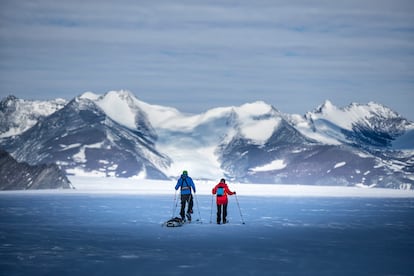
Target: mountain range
117,135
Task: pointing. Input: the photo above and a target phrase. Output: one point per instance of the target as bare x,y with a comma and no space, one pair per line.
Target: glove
234,192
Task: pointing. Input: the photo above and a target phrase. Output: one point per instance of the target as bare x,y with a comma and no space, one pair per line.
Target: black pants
224,208
184,199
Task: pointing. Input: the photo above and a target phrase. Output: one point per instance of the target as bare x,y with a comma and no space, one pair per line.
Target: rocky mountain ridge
22,176
118,135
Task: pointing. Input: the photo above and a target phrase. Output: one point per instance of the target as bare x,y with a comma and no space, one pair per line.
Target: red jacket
223,198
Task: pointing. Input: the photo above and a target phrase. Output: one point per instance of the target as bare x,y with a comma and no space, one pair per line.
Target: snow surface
157,187
113,227
118,109
340,164
274,165
346,117
253,129
304,127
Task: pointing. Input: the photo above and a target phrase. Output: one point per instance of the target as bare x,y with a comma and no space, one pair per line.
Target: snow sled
174,222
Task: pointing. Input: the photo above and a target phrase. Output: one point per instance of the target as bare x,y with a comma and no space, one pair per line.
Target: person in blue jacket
186,184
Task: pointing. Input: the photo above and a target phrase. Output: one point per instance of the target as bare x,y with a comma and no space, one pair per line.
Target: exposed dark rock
22,176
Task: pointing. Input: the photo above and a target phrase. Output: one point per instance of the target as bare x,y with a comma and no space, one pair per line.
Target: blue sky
195,55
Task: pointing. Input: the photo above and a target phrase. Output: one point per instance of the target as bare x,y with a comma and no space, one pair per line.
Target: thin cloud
164,50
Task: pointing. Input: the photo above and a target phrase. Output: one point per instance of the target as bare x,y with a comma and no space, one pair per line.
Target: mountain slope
116,134
22,176
17,115
82,139
371,125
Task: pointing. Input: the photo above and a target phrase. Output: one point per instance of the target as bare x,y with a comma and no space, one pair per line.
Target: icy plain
113,227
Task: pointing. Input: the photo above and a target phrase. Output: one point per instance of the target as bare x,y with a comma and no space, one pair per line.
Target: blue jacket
186,184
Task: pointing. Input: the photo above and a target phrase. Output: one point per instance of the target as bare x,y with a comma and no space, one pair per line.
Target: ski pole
174,204
211,209
238,205
198,209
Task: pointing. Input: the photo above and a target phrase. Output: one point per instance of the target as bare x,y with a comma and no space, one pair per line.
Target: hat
222,180
185,172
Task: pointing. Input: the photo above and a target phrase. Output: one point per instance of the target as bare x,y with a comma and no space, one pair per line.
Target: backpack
220,191
186,187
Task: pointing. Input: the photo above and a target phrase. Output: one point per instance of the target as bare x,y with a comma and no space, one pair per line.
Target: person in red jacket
221,191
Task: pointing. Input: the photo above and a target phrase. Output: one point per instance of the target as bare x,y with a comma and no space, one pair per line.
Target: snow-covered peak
326,107
258,120
89,96
18,115
255,121
370,123
342,117
305,126
257,108
345,118
119,105
124,108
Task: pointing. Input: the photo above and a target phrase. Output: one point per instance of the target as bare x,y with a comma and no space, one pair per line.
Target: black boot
188,217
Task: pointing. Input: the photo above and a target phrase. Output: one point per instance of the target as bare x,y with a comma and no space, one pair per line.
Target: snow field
133,186
121,234
109,226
